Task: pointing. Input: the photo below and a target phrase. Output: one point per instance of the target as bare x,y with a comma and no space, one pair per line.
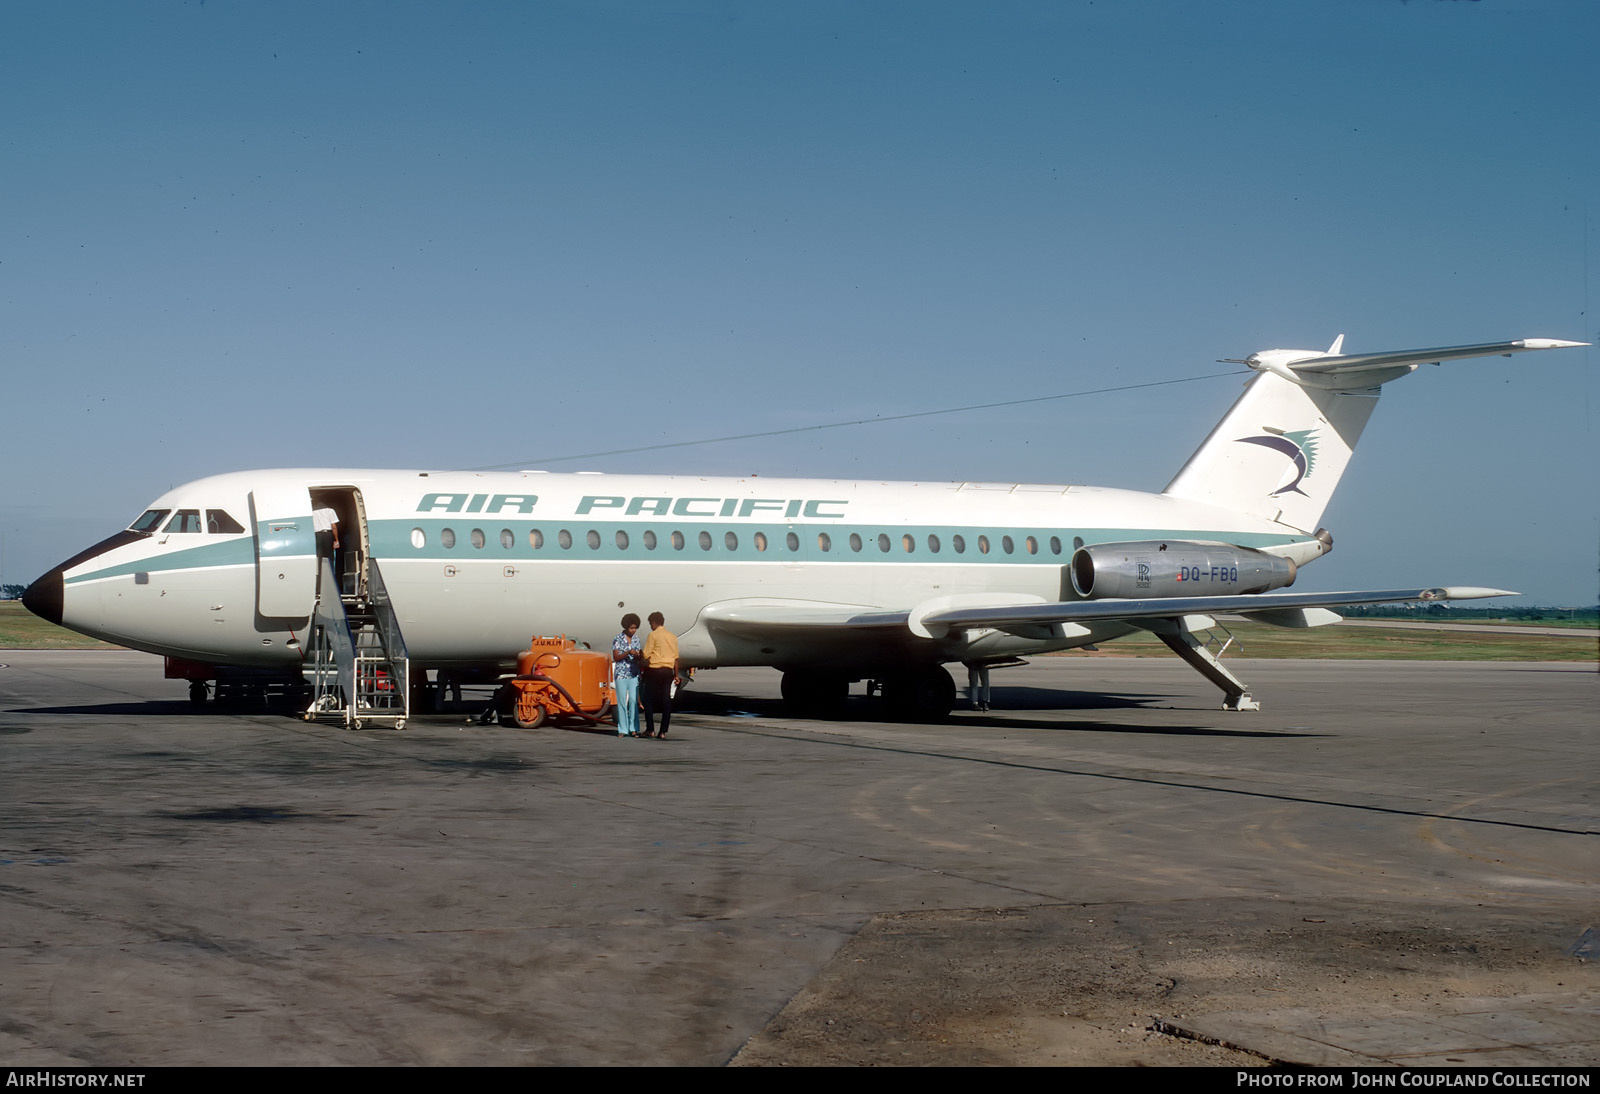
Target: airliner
830,581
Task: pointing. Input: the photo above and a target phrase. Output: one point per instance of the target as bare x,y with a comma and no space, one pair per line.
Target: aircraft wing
1281,609
772,619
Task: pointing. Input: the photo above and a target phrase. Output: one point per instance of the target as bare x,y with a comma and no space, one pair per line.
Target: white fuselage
476,563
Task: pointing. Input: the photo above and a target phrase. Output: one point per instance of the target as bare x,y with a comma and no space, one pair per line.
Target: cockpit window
150,521
218,521
185,520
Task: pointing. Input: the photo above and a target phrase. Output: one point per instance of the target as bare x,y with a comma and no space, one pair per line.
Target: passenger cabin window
218,522
185,520
792,541
150,521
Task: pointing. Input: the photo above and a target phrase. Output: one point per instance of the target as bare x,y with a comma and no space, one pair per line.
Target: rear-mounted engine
1152,568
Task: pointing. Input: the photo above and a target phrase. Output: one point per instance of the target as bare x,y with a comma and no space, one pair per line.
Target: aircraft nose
43,597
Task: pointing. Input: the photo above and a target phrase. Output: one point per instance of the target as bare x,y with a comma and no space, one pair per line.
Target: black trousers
657,691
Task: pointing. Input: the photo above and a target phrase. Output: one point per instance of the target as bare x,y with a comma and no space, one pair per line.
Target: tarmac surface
1393,862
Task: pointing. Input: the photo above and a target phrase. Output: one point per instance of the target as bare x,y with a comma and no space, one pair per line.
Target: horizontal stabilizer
1352,371
1347,362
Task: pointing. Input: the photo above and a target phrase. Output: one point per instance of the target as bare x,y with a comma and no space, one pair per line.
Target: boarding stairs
356,663
1205,657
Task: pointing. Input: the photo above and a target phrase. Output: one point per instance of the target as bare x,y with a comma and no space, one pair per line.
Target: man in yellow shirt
660,674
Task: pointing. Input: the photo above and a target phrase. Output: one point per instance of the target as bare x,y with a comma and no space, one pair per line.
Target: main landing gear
917,691
925,691
815,693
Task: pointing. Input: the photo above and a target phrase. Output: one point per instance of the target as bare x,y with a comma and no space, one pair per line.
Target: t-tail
1280,450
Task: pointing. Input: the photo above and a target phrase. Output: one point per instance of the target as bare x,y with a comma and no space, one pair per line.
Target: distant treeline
1589,616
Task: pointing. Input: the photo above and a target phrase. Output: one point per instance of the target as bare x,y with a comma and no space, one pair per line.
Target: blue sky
453,235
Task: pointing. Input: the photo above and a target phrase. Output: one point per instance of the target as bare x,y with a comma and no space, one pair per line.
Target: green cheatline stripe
392,539
237,551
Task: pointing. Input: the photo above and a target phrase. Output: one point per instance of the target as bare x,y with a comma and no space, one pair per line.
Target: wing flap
1295,618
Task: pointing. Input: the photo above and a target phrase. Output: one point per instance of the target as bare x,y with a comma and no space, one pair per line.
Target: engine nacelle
1152,568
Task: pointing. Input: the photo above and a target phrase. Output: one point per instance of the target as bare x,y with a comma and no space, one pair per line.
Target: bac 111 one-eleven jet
830,581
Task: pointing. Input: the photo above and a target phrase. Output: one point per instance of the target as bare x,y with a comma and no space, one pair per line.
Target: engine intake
1152,568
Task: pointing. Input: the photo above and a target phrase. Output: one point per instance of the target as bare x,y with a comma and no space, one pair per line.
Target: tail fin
1280,450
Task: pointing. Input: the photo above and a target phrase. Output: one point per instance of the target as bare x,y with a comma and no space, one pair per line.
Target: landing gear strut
1235,693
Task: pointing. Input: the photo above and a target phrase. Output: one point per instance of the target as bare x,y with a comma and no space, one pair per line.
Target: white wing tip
1465,592
1548,343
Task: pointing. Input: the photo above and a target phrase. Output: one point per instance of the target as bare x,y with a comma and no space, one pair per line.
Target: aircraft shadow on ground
860,708
155,708
1086,726
1009,712
1006,713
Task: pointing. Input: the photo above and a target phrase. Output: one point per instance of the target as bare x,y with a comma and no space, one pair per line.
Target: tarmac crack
788,735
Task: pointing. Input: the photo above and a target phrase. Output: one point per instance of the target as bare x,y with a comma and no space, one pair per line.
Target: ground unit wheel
197,693
529,713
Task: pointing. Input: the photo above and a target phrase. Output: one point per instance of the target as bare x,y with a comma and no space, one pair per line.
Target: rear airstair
356,660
